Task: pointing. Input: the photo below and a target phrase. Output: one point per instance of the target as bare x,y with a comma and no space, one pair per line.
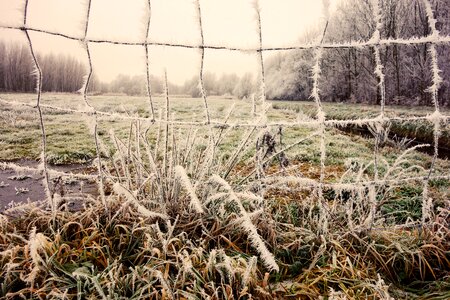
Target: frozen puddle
25,185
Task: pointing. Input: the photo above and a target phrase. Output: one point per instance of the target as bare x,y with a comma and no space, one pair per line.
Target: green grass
404,203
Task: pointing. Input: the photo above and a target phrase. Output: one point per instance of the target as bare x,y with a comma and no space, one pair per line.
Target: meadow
228,210
69,139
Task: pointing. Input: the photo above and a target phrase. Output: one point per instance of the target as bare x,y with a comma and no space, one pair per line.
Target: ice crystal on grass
37,245
120,190
257,242
195,202
143,239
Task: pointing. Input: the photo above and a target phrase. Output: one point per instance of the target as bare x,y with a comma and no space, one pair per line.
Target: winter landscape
225,149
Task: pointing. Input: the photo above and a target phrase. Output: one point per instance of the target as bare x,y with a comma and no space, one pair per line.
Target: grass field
194,212
69,139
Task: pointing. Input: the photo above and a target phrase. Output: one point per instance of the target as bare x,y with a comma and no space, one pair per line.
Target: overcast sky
225,22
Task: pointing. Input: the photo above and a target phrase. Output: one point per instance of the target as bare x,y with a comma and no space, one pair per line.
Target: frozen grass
96,254
69,139
204,214
420,130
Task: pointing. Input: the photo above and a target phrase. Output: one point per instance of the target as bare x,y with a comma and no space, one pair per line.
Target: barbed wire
38,73
381,82
202,61
147,64
321,116
84,91
304,46
304,182
312,123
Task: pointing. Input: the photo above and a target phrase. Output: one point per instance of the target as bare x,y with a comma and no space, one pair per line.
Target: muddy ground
21,187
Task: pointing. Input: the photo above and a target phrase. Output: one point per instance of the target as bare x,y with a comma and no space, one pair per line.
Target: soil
18,188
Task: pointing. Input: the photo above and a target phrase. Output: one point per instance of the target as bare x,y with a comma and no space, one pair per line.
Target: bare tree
348,73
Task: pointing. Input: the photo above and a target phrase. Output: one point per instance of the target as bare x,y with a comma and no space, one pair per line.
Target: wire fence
320,123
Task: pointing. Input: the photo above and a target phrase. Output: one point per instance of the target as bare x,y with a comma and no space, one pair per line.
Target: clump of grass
63,157
126,255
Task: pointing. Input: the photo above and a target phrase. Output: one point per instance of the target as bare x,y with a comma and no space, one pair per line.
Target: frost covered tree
348,73
60,73
245,86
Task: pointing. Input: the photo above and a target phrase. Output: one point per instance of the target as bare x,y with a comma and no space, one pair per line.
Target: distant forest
347,73
61,73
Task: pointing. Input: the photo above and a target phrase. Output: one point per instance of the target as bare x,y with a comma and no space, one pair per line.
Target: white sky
225,22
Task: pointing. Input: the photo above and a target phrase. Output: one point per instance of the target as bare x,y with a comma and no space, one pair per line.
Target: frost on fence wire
320,123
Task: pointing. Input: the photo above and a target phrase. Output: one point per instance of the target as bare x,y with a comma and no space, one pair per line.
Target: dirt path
26,186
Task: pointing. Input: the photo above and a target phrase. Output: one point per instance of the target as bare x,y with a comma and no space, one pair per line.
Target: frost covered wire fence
147,66
320,123
38,73
84,91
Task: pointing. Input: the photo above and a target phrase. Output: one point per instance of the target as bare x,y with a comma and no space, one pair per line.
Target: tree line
348,73
224,85
63,73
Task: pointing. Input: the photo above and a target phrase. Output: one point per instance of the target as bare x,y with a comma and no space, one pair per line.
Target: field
69,139
237,211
